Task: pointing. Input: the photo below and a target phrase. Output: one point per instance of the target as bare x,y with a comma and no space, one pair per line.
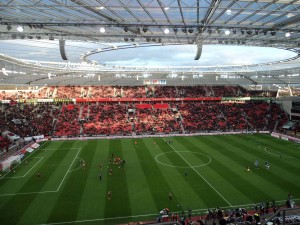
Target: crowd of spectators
226,91
106,119
28,119
192,91
222,216
101,92
157,120
134,92
127,119
67,123
62,92
115,118
231,116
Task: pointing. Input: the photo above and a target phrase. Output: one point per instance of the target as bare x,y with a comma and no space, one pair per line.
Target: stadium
149,112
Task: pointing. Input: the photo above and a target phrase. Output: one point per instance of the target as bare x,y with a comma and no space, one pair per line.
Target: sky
168,55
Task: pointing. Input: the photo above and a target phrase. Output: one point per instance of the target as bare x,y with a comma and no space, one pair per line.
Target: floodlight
273,32
167,8
9,27
287,34
125,38
227,32
126,29
228,12
20,29
191,30
4,71
175,30
166,31
184,30
102,29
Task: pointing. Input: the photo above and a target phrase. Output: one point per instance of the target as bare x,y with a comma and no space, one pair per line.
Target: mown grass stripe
157,184
136,182
209,189
175,176
278,145
117,184
283,163
230,167
218,177
70,193
16,203
92,203
260,184
276,175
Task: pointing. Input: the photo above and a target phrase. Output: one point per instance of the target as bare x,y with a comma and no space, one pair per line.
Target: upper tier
71,92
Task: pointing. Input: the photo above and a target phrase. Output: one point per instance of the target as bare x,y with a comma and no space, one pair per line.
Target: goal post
8,163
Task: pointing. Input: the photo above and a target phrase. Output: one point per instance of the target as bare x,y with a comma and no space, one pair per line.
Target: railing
285,216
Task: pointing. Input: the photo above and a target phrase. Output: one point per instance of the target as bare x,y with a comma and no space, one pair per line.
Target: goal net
8,163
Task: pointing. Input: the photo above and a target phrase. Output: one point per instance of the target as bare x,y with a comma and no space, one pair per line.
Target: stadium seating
29,119
106,119
122,118
63,92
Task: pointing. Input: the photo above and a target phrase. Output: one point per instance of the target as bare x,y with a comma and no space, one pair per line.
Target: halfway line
68,170
200,176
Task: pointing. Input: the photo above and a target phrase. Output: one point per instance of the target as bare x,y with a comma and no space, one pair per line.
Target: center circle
185,157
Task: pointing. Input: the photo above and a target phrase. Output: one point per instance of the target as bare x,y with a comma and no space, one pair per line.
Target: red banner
147,99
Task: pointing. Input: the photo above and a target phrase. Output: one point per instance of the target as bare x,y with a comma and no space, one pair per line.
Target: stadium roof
138,23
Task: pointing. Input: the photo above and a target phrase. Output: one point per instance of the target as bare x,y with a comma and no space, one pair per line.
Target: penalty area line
40,158
27,193
22,160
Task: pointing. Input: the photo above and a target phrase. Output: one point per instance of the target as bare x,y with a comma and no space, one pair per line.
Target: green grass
67,193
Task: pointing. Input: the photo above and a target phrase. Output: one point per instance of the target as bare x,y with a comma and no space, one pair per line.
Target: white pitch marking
40,158
68,170
23,160
77,167
57,149
164,164
201,176
43,192
27,193
33,165
266,150
135,216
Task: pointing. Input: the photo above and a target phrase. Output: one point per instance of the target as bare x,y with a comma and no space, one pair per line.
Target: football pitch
201,172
